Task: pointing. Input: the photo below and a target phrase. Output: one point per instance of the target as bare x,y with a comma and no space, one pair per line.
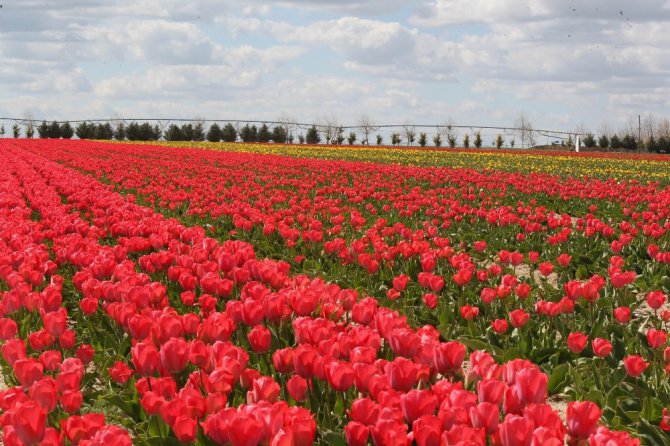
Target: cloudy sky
565,63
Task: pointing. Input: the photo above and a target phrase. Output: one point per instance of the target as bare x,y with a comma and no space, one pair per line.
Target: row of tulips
195,271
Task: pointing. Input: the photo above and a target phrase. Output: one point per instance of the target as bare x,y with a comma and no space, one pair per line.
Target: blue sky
567,65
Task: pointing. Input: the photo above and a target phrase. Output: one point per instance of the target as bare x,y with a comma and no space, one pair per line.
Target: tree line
655,139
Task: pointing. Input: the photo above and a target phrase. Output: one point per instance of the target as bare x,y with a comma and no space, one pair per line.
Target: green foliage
229,133
85,130
16,131
214,133
279,134
339,136
616,142
173,133
312,136
395,138
248,133
478,140
663,145
451,139
104,131
30,130
499,141
423,139
264,133
142,132
54,130
604,142
466,141
120,131
43,130
629,142
187,132
589,141
198,133
437,140
66,130
351,139
379,140
2,131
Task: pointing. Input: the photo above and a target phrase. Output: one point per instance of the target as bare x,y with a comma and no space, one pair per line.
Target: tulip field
264,294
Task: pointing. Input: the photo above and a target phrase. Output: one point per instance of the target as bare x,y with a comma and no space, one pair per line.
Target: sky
566,64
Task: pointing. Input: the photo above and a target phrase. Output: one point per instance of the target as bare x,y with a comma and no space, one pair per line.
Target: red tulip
259,339
356,433
488,295
518,318
185,429
522,290
145,358
601,347
448,356
402,374
515,431
71,400
564,260
656,299
485,416
120,372
577,341
491,391
55,322
430,300
531,386
469,312
265,388
480,245
656,338
28,370
622,314
417,403
45,393
635,365
244,430
363,312
582,419
340,375
499,326
29,422
297,387
546,268
427,430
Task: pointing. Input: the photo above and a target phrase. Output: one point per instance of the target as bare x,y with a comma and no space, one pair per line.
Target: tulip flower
601,347
635,365
577,342
582,419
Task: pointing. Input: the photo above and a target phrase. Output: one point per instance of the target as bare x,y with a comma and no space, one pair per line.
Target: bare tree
410,132
448,130
330,127
288,122
524,130
29,122
663,128
649,126
367,126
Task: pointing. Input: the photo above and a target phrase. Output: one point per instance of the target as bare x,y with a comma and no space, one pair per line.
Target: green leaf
121,403
333,438
512,353
651,409
558,378
650,434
